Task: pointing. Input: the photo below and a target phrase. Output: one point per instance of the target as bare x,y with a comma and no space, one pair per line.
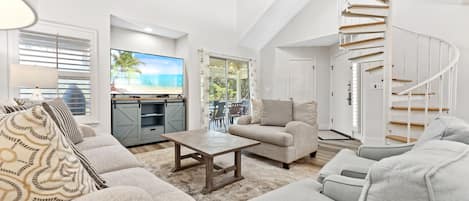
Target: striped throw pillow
100,182
14,108
63,117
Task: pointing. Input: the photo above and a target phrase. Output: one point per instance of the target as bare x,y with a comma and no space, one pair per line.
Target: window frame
49,27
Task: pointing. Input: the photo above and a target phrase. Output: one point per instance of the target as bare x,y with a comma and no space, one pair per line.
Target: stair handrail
453,63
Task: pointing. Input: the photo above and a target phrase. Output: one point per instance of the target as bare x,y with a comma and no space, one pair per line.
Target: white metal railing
444,80
431,62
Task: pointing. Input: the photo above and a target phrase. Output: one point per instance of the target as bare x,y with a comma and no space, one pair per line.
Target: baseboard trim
340,133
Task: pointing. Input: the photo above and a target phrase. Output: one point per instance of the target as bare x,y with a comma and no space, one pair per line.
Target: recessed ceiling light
148,29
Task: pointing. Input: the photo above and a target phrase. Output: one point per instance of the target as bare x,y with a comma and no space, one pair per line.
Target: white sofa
123,173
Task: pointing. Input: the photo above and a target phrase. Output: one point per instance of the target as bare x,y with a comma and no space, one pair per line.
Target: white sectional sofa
124,175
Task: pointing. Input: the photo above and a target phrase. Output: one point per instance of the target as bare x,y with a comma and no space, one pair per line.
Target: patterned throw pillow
63,117
27,102
37,162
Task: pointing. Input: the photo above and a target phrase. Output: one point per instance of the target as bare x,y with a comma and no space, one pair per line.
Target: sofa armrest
244,120
379,152
341,188
305,136
87,131
117,193
356,172
301,129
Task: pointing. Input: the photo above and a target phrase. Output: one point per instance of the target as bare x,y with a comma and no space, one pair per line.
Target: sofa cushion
268,134
445,128
276,112
97,141
256,111
305,112
303,190
111,158
139,177
345,158
435,171
117,193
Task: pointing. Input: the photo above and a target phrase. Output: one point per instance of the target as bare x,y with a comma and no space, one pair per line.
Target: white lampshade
26,76
16,14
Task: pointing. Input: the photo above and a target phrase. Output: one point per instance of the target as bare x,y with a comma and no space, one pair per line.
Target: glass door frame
226,60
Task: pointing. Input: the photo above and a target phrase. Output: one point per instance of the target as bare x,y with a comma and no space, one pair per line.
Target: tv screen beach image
138,73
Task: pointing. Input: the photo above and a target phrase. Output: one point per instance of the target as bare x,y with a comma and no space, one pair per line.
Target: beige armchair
286,144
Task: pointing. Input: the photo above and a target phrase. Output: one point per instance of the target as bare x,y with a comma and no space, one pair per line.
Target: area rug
260,175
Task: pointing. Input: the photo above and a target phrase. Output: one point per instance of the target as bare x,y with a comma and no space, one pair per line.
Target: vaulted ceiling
271,22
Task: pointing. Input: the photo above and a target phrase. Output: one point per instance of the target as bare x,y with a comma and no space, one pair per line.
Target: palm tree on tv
125,62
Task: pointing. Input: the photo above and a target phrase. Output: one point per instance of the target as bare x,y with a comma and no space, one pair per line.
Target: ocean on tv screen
144,73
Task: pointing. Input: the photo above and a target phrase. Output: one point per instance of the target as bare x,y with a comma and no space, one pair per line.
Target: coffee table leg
177,157
237,161
208,174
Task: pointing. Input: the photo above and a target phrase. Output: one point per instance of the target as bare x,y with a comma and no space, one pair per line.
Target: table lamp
35,77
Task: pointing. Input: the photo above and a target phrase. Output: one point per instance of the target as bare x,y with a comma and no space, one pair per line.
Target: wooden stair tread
431,109
366,55
374,68
400,138
351,14
400,80
414,94
361,25
367,6
362,41
402,123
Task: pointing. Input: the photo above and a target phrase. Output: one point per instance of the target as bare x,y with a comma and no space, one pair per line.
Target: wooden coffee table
207,145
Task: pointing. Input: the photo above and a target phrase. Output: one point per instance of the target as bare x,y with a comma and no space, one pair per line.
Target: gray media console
142,121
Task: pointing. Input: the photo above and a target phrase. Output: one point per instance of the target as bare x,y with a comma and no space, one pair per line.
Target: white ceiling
136,25
273,20
322,41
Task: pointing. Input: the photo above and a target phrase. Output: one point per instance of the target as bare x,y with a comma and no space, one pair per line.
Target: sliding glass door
228,92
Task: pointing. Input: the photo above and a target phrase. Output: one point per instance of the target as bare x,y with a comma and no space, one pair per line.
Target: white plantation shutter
72,57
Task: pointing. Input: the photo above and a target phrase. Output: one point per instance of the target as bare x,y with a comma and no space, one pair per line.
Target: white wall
317,19
124,39
274,78
209,23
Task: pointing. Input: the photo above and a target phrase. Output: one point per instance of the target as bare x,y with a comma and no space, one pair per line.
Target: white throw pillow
306,112
256,113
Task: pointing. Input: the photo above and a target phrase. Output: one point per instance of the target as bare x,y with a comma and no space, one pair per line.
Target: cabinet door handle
153,129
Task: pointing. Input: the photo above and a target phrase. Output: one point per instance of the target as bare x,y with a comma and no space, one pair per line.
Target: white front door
341,89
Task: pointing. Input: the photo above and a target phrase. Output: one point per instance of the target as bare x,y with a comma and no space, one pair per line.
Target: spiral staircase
418,71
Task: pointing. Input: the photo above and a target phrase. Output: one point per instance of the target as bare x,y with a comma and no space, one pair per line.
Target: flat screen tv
139,73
